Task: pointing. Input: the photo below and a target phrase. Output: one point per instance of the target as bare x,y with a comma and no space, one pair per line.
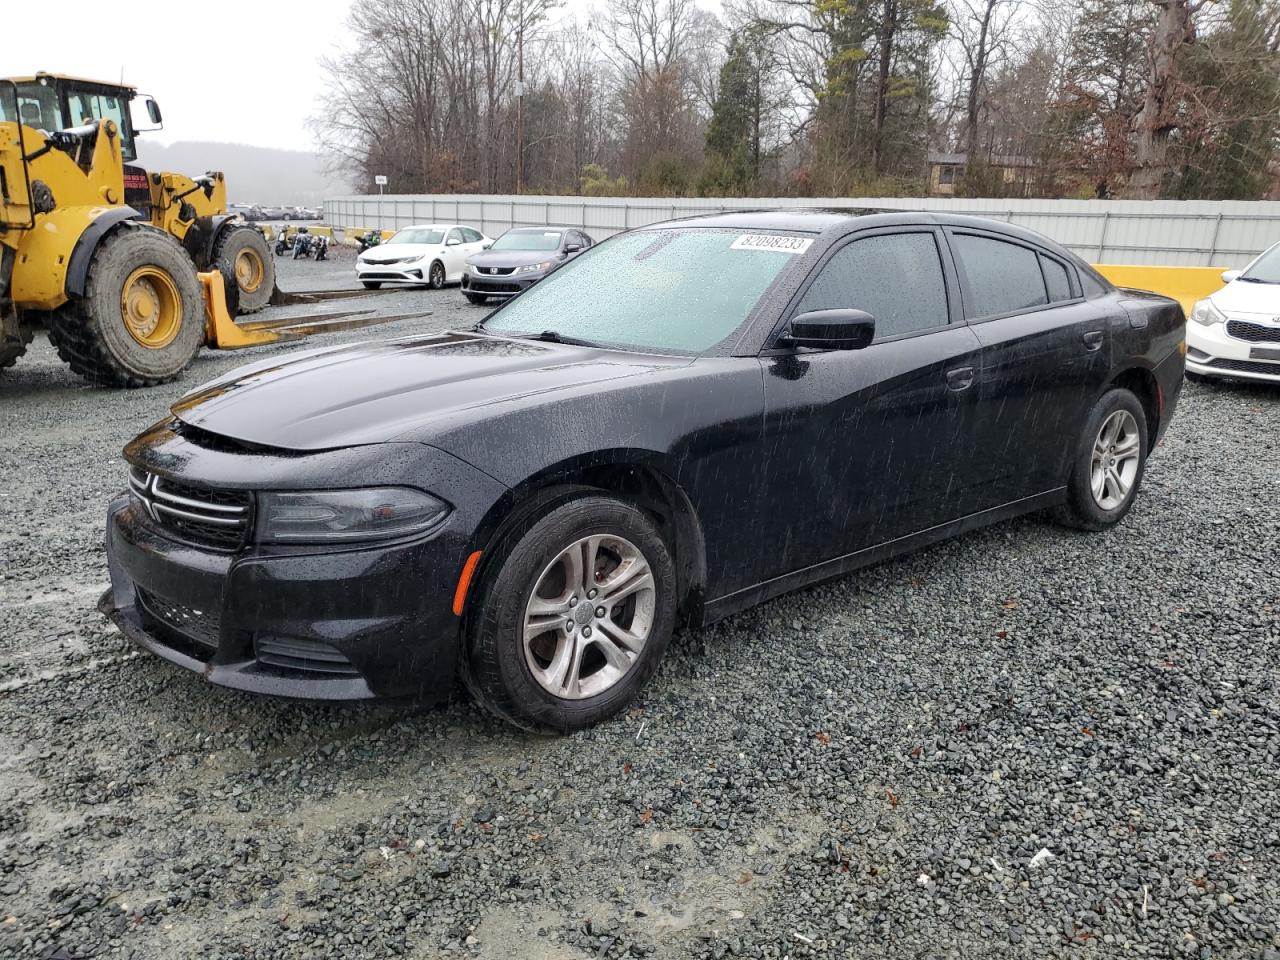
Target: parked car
687,420
249,211
430,253
520,258
1236,331
277,212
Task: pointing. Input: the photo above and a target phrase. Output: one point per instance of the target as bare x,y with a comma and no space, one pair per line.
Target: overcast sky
220,80
246,74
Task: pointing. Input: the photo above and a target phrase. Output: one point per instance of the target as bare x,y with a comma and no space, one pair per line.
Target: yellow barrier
1184,284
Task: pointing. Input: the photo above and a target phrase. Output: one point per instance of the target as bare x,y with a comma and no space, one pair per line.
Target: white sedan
1236,331
430,253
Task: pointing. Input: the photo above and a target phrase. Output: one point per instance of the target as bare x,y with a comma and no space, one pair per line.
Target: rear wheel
575,620
476,298
435,276
1109,461
246,251
141,319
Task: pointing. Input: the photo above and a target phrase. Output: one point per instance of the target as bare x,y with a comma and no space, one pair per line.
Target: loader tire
141,319
246,250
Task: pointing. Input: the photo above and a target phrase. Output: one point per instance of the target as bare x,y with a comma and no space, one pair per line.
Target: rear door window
895,277
998,277
471,236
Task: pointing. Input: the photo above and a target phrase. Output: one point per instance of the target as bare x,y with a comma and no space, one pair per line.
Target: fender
202,237
82,255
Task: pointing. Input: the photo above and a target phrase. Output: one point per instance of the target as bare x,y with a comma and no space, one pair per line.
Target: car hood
511,258
1241,296
386,390
387,252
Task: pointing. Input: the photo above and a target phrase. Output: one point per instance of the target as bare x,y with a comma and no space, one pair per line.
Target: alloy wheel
437,275
589,616
1113,467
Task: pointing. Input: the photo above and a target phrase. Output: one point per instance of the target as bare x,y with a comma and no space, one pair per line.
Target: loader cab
50,102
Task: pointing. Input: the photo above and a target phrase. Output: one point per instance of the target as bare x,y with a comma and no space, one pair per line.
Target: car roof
430,226
547,229
837,221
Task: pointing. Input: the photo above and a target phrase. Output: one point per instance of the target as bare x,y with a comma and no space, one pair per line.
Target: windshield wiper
553,336
1258,280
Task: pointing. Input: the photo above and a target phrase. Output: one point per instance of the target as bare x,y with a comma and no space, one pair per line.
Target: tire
499,666
1085,509
477,298
246,250
91,333
371,284
435,276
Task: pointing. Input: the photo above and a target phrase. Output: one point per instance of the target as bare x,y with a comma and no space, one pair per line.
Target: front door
865,446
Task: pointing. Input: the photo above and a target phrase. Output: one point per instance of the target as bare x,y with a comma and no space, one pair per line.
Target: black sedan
687,420
518,259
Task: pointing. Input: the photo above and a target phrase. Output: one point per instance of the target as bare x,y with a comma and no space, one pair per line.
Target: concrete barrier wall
1199,233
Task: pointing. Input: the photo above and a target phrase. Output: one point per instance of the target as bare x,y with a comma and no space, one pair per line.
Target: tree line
1100,98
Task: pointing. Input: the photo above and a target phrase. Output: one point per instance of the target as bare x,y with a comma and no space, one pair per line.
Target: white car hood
1241,296
386,252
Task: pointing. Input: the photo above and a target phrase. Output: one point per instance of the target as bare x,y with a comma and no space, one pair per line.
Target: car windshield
528,240
418,236
682,291
1266,269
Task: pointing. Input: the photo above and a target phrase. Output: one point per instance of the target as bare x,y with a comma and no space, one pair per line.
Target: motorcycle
321,251
302,244
284,243
370,239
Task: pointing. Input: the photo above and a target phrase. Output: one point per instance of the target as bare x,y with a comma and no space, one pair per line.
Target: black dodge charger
688,419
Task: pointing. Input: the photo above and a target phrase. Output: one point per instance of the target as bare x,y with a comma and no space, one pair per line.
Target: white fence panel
1172,232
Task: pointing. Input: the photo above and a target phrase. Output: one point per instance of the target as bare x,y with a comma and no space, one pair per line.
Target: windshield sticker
771,243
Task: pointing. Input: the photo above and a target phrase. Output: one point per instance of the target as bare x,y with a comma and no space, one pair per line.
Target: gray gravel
1021,743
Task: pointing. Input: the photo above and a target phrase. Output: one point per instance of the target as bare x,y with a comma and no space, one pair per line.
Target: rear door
456,252
864,446
1045,357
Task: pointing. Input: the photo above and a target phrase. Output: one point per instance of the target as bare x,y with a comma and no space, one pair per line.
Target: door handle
961,378
1092,339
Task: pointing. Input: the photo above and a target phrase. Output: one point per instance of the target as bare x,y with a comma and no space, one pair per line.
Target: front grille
1253,332
294,653
1247,366
491,287
203,515
390,276
496,271
388,262
201,627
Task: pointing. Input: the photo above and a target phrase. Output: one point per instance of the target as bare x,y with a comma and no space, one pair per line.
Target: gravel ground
1022,743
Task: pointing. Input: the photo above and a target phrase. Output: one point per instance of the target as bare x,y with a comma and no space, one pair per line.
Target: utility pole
520,102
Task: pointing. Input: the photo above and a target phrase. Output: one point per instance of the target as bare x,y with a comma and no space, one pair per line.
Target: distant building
947,169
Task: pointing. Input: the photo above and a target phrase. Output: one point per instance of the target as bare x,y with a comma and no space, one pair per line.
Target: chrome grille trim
190,512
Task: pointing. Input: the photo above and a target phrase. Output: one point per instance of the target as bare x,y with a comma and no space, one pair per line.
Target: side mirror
573,248
1229,275
832,330
452,242
487,245
153,112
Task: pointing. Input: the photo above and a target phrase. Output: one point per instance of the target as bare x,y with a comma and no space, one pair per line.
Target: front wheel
245,250
435,277
1108,463
574,619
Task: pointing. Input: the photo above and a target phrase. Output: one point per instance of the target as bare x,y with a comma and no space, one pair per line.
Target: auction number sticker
771,243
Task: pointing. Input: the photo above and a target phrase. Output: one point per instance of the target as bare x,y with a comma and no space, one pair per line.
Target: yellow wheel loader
131,270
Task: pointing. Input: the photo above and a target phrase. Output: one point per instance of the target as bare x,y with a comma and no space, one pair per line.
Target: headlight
1206,313
326,516
535,267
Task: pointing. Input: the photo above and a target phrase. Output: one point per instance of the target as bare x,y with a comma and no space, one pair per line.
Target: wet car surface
565,483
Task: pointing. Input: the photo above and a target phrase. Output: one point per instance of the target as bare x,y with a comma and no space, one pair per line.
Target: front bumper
1211,351
328,626
501,286
392,272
